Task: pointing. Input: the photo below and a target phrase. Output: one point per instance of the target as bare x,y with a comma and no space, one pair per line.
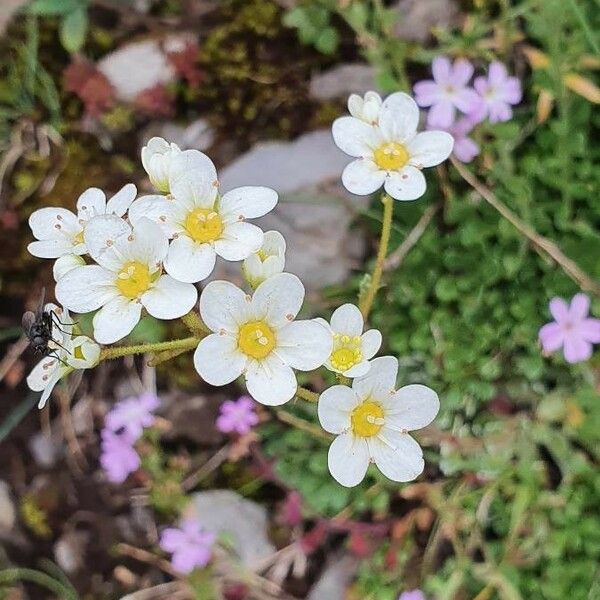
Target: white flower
60,232
68,353
391,153
269,260
371,421
201,223
257,336
66,263
352,348
157,155
128,276
366,109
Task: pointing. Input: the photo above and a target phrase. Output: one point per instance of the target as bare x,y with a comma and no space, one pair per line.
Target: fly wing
40,310
27,321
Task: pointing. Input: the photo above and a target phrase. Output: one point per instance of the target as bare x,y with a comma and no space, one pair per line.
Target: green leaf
54,7
327,41
73,29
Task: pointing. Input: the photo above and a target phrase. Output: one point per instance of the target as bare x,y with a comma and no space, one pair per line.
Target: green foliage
314,27
73,19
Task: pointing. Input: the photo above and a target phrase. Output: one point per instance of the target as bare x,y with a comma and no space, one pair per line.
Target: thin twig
541,243
146,557
395,259
302,424
214,462
12,356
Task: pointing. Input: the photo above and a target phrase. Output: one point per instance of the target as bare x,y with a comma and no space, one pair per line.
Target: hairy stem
367,300
307,395
194,323
118,352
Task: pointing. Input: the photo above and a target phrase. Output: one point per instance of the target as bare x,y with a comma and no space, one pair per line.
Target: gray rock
8,513
334,581
418,18
69,551
343,80
8,8
138,66
223,511
314,213
45,449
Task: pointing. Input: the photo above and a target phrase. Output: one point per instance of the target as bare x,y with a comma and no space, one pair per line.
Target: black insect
38,327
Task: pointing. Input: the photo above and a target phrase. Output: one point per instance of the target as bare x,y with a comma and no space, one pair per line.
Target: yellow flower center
346,352
78,353
367,419
78,239
204,225
391,156
135,278
256,339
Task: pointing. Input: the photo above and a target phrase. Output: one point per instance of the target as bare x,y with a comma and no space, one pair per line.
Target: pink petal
576,349
481,85
580,307
497,74
559,309
462,72
184,561
511,91
468,101
499,112
465,149
551,337
426,93
442,70
171,539
441,115
589,329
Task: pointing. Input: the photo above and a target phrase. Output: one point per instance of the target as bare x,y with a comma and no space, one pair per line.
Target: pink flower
572,329
447,92
497,93
190,545
132,415
238,416
465,148
412,595
118,457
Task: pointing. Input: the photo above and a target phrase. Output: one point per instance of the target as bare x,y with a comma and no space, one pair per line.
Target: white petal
304,345
397,455
154,207
106,239
370,342
347,320
430,148
411,407
116,319
148,243
193,179
407,184
362,177
238,241
278,299
273,244
218,360
40,375
189,261
52,381
270,381
122,200
247,202
348,459
353,136
43,223
66,263
86,288
358,370
399,117
51,248
169,299
89,350
335,408
91,204
380,382
223,306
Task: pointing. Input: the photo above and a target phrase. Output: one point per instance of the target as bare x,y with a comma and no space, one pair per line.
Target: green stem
367,300
307,395
41,579
194,323
118,352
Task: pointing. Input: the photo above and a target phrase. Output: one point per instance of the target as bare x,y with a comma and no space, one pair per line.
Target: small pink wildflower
132,415
237,416
119,458
465,148
447,91
190,545
498,92
572,329
412,595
